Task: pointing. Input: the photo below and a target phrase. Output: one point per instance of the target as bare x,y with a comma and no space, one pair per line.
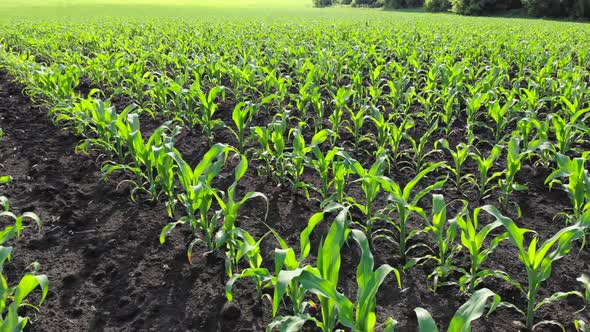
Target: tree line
538,8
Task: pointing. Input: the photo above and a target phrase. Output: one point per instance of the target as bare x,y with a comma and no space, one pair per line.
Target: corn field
343,174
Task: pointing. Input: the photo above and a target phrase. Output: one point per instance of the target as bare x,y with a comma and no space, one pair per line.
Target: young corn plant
340,173
144,157
244,247
340,101
473,103
285,259
322,162
358,119
574,111
467,313
402,201
382,126
12,298
449,105
526,127
368,283
207,108
566,133
229,208
10,232
5,179
460,155
272,148
508,184
370,180
538,261
166,172
577,185
317,104
101,123
242,117
473,240
501,116
484,165
197,195
444,232
419,152
298,158
395,135
323,280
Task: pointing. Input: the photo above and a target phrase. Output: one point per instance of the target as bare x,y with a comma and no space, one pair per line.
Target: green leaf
289,323
320,137
473,309
425,321
169,228
27,284
284,279
241,168
304,237
4,179
4,255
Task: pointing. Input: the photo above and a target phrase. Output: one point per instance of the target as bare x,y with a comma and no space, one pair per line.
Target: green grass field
158,8
85,9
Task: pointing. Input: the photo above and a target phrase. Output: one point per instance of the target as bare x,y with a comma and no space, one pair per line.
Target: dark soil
108,272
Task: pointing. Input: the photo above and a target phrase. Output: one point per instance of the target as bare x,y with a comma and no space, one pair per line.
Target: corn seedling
242,116
207,108
340,101
419,152
584,279
298,158
500,114
146,159
396,134
273,147
444,232
404,203
538,260
285,260
484,165
566,133
459,155
371,182
13,298
578,182
229,208
5,179
382,126
467,313
322,162
197,195
514,162
473,240
358,119
322,281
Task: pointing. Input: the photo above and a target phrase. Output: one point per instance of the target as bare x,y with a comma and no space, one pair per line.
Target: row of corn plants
16,296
